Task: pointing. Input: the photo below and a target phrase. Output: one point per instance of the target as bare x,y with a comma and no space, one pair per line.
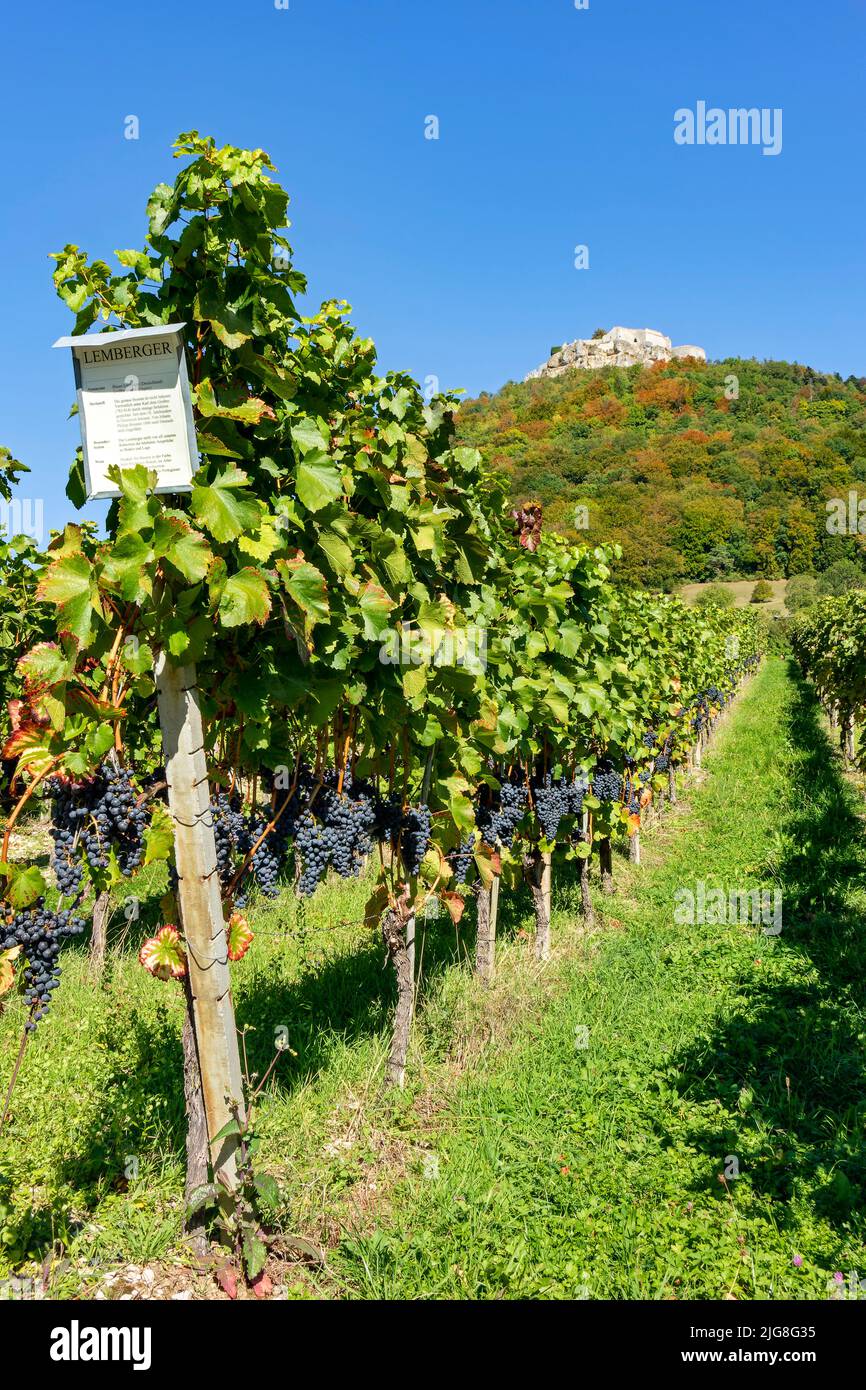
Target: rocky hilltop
621,347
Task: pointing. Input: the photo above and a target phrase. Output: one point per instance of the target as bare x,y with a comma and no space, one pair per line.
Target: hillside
700,470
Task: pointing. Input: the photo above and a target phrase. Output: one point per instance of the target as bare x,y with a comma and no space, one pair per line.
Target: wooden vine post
201,912
487,909
538,871
605,864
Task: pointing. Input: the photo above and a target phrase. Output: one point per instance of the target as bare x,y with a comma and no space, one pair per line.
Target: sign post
201,907
134,408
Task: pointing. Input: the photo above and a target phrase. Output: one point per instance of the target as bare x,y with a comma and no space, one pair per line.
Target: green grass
517,1163
565,1171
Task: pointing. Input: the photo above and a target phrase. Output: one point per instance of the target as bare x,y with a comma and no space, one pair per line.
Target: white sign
134,406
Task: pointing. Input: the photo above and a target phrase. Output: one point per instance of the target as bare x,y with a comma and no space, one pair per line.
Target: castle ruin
621,347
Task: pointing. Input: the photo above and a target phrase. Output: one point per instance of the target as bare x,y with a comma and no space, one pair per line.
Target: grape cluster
40,933
230,832
415,837
269,859
312,851
663,761
649,738
497,824
124,816
606,782
339,830
90,818
552,804
388,813
462,858
576,791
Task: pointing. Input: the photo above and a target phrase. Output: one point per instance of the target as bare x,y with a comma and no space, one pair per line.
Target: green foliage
829,640
762,592
23,618
801,592
715,596
691,484
839,578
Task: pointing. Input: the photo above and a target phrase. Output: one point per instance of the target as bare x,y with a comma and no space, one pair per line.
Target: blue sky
556,129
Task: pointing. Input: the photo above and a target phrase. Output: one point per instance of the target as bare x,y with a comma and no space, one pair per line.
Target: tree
841,577
716,596
762,592
801,592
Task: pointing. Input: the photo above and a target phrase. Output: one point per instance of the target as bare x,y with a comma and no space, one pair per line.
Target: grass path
560,1170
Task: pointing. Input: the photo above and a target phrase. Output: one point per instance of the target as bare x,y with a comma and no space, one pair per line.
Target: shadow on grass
333,1002
794,1048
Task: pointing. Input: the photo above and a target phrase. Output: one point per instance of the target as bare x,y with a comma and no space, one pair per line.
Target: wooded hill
700,470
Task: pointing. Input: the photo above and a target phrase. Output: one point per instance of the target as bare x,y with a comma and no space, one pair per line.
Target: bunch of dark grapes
649,738
348,819
40,933
663,761
388,813
269,859
461,858
575,792
606,782
551,804
335,827
89,819
415,837
497,824
312,851
230,832
124,816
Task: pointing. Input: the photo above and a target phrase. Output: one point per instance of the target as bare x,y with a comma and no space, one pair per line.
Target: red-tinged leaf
307,587
455,905
70,584
7,970
239,936
30,745
633,824
262,1286
376,904
487,862
44,666
163,955
375,606
81,701
227,1278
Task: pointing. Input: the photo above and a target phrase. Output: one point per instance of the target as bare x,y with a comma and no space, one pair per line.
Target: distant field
742,590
